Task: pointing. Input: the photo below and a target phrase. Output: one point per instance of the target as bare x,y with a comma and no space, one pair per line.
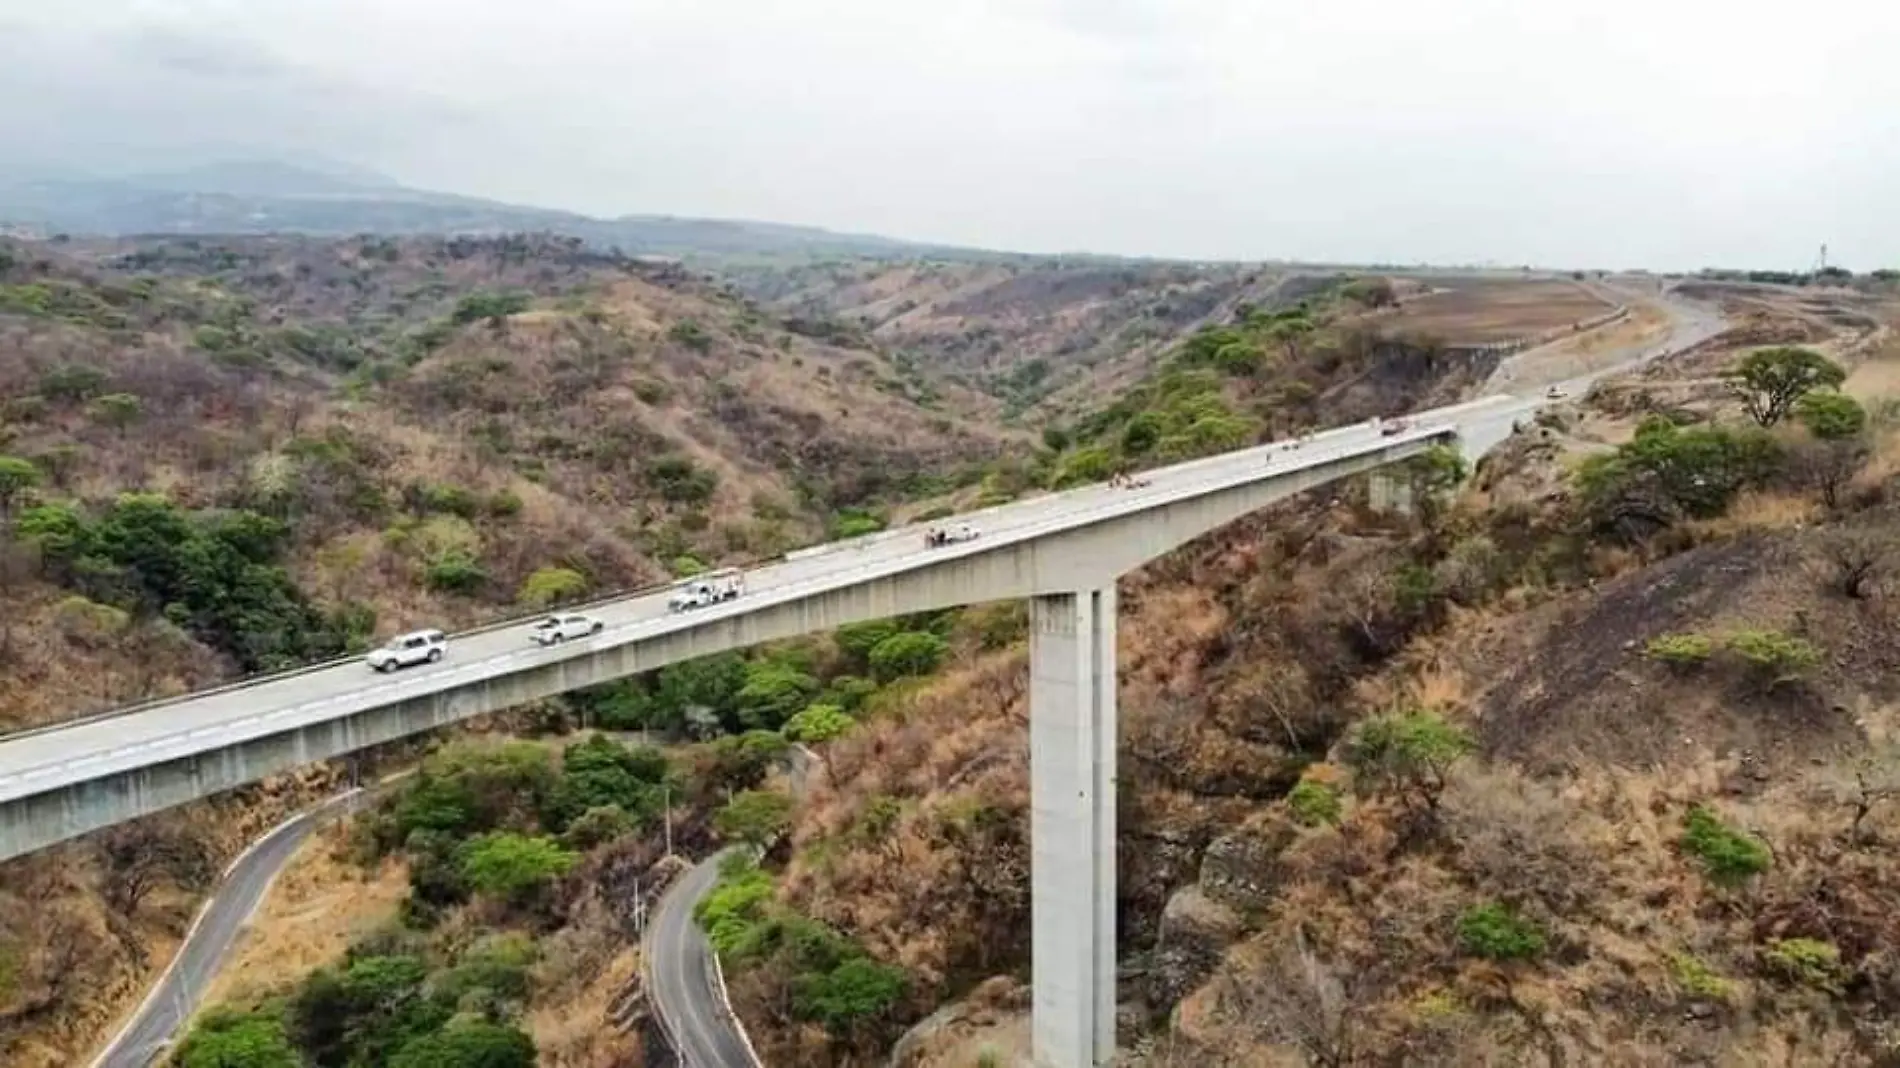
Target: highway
689,1000
38,760
172,1000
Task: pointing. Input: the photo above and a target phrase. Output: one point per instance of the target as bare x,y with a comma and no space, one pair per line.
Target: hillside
1589,764
235,454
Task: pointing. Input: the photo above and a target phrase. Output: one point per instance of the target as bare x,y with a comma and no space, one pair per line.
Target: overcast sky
1663,133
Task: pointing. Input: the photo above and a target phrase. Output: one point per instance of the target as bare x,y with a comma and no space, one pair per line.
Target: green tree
552,585
117,410
773,692
600,772
741,761
1770,381
227,1039
755,817
907,653
818,726
1409,754
469,1044
856,640
850,995
512,866
1831,416
16,477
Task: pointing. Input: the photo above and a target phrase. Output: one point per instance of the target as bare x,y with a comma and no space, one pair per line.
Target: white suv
408,650
556,629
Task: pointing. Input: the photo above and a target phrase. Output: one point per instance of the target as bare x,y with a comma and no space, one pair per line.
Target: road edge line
204,910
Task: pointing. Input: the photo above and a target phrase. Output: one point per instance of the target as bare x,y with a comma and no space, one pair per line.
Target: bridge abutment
1072,735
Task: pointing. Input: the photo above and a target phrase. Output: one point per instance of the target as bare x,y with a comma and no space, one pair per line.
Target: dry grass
1478,312
571,1032
321,903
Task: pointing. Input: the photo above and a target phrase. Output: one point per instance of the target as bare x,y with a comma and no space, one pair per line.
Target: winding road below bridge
172,1000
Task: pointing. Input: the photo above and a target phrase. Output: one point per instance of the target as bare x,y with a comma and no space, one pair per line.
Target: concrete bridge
1062,551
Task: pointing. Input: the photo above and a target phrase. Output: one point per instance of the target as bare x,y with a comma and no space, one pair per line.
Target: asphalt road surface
680,967
173,999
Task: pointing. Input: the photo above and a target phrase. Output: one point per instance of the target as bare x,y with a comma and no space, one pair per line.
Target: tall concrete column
1072,736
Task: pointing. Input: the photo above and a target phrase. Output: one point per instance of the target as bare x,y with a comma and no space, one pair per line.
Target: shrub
1680,650
552,585
456,571
491,306
1313,803
1667,469
855,523
1831,416
1729,857
597,825
227,1039
513,866
755,817
690,334
906,653
679,481
1409,754
1775,655
1494,932
600,772
856,990
469,1044
1806,961
1697,980
71,383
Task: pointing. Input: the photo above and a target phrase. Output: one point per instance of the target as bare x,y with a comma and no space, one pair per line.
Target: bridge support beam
1072,734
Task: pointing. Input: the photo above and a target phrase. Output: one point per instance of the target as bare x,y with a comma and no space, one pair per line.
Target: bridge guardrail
252,682
234,730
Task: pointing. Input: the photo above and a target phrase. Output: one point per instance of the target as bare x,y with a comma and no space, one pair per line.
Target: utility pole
666,794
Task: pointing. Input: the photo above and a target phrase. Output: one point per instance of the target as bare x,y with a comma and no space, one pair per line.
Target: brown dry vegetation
1248,657
354,391
1481,311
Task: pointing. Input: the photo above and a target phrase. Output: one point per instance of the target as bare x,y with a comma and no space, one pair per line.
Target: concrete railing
190,740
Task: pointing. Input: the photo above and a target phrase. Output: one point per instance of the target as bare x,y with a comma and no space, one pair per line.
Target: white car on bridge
408,650
556,629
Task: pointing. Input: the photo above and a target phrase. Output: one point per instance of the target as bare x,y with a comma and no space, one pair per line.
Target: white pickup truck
707,589
937,537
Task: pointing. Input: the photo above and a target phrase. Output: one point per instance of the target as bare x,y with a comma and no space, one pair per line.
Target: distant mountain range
265,197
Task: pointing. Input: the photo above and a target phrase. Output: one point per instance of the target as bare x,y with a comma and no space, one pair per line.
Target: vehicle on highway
937,537
707,589
560,628
408,650
1390,427
1555,393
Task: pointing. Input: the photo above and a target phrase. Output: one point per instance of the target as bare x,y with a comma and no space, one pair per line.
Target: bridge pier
1072,734
1389,494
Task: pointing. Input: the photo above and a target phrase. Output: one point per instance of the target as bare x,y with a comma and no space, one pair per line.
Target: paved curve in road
37,760
690,1001
172,1000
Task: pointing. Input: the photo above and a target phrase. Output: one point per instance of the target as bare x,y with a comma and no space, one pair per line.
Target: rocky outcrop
1241,869
1195,931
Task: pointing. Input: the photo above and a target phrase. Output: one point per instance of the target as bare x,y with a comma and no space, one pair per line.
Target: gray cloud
1621,132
